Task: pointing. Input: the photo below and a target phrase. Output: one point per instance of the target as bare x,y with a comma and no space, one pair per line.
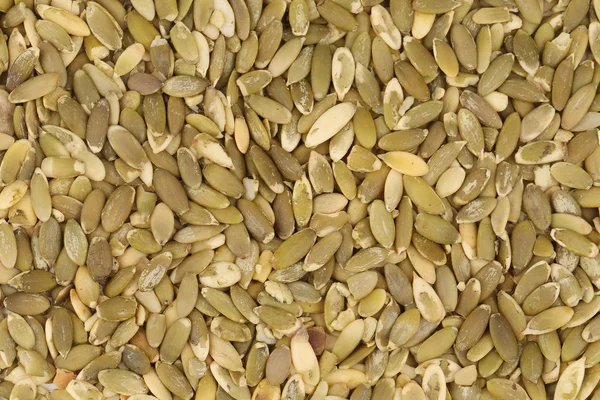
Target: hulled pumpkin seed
181,180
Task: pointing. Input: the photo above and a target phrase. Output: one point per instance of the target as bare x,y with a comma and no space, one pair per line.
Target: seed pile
334,199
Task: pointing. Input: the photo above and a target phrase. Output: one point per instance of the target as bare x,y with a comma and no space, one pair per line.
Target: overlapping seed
339,199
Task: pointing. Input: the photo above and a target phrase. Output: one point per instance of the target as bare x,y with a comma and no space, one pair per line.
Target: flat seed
20,331
574,242
174,340
130,57
435,7
571,379
184,86
536,121
33,281
117,208
117,308
405,163
382,224
174,380
366,259
577,106
123,382
420,115
322,251
476,210
427,301
473,328
27,303
445,57
382,23
79,389
421,59
34,88
337,15
423,195
464,46
269,109
503,338
293,249
437,344
549,320
436,229
70,22
330,123
103,26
